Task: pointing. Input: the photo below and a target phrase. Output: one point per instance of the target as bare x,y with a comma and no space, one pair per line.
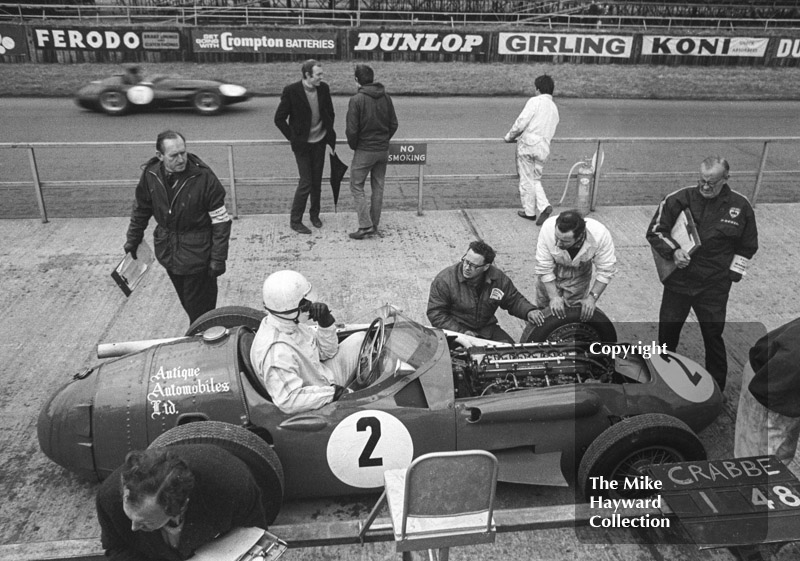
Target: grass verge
445,79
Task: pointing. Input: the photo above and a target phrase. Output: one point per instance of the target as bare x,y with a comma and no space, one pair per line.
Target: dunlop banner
104,39
419,42
704,46
233,40
557,44
788,48
12,40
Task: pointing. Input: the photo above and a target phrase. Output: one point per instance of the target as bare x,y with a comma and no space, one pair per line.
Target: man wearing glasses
726,225
465,296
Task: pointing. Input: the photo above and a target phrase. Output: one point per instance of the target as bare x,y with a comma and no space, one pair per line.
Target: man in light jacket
532,131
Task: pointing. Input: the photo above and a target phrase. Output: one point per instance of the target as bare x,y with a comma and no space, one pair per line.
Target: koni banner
104,39
704,46
232,40
564,44
419,42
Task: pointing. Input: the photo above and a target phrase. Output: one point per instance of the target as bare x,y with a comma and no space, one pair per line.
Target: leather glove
216,268
734,276
131,248
320,313
339,391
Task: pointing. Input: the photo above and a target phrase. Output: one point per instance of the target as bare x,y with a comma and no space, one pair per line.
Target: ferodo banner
704,46
419,42
104,39
618,46
223,40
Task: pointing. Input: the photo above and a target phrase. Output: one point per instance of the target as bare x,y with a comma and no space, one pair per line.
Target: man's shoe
362,233
316,222
300,228
544,215
521,214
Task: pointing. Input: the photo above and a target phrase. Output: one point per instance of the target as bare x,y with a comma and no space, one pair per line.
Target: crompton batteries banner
704,46
221,40
12,40
618,46
419,42
104,39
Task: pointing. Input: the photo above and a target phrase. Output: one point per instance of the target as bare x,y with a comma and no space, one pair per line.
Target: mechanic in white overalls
568,249
303,367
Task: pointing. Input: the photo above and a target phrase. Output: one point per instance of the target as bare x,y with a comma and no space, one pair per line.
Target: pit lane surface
59,303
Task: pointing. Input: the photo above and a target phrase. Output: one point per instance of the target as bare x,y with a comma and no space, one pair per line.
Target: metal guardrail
232,180
565,18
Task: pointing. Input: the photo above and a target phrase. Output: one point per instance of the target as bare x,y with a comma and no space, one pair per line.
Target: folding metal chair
443,499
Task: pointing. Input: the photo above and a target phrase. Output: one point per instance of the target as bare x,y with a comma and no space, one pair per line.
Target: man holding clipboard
702,238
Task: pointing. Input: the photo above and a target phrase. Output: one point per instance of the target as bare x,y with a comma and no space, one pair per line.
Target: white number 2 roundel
365,445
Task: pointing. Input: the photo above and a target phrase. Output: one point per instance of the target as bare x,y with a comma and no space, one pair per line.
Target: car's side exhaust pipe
112,350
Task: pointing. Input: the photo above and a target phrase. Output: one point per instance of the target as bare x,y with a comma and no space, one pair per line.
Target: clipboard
243,544
684,232
128,274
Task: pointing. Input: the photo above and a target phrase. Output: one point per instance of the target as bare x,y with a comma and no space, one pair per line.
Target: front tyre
627,449
570,328
207,102
252,450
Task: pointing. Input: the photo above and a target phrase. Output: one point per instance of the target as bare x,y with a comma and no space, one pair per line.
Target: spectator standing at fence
192,225
305,117
768,418
569,251
533,130
371,123
464,297
726,225
164,503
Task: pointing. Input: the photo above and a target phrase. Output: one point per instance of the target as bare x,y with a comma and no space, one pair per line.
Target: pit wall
81,43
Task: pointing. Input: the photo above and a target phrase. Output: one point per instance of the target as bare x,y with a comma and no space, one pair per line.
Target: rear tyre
570,328
114,102
627,449
228,317
207,102
253,451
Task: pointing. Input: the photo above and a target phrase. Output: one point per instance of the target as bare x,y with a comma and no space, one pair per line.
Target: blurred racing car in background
115,96
553,412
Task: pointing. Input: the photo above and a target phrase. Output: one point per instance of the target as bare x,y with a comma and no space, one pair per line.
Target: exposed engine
506,367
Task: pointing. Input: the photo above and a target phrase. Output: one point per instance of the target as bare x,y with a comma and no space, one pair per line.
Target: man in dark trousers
191,238
162,504
371,123
701,282
305,117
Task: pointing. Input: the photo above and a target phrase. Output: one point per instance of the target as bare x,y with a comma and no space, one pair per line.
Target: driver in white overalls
568,248
302,367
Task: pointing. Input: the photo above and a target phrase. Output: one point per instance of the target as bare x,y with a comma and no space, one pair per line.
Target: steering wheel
370,352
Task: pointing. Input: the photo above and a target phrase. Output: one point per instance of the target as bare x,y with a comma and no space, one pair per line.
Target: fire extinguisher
585,175
585,181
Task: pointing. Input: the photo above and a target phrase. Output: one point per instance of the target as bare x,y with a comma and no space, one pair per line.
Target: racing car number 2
367,443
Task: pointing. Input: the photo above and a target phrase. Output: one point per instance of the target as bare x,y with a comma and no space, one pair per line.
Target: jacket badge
734,212
496,294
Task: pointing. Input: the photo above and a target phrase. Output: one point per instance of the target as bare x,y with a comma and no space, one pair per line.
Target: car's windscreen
408,345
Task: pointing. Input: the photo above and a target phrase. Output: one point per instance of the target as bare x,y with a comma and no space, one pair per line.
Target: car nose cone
64,427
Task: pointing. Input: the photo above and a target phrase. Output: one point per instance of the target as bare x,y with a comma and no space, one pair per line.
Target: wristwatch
596,296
